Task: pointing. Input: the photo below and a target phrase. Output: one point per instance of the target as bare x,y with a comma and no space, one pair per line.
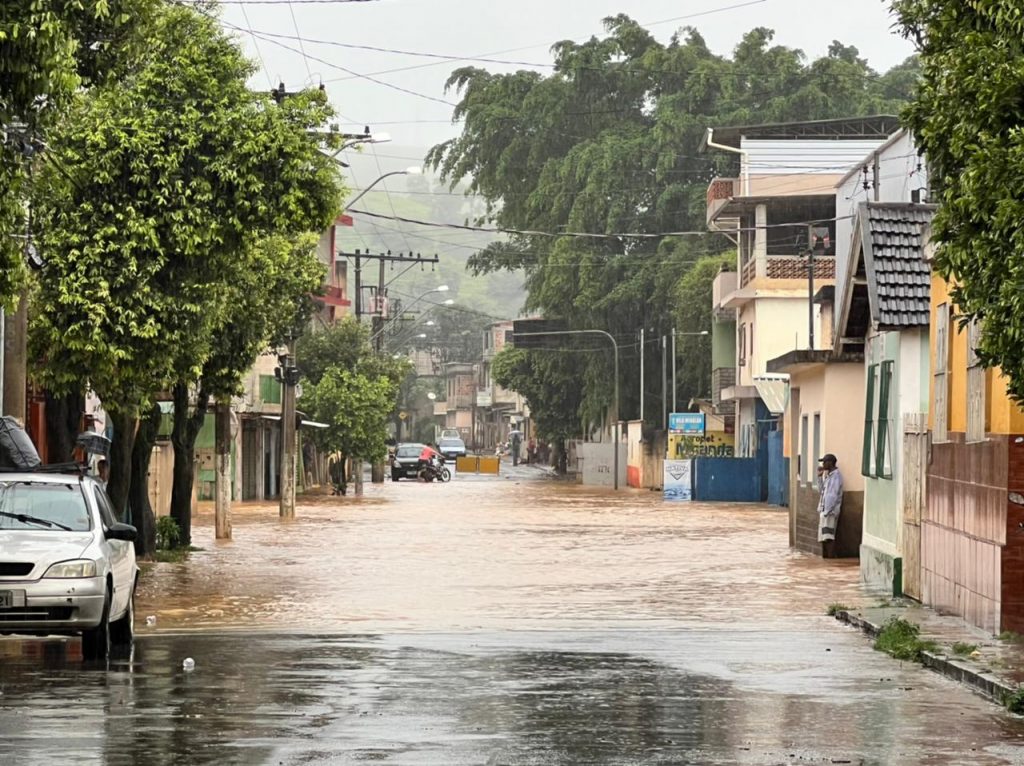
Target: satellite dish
431,396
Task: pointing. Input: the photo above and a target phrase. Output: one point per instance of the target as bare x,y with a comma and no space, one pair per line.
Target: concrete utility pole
15,387
674,408
288,374
664,382
222,517
642,349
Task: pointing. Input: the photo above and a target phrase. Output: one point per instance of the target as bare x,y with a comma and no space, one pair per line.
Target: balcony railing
720,191
789,267
724,284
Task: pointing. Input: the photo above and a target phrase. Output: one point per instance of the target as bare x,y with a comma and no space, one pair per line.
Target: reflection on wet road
489,622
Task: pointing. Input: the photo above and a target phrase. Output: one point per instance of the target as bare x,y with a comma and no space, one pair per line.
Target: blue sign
686,423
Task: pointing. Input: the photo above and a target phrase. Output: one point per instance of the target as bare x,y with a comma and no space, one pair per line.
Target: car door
119,553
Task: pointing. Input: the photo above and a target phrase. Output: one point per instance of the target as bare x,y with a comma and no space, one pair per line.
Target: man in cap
830,502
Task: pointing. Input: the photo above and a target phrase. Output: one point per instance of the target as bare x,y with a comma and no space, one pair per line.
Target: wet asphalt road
494,622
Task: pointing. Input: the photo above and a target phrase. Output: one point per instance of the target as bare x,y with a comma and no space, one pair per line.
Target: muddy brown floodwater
493,554
501,621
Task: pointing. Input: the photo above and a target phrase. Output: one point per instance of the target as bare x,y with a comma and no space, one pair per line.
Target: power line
582,234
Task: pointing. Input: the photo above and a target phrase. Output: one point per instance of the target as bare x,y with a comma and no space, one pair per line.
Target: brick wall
1012,565
804,504
964,527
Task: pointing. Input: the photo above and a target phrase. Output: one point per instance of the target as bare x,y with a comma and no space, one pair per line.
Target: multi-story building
781,203
498,409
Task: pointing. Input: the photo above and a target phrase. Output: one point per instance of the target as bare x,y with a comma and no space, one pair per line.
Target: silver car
66,565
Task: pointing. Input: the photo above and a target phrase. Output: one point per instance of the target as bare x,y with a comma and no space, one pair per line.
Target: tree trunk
63,423
561,458
183,440
142,516
121,459
344,473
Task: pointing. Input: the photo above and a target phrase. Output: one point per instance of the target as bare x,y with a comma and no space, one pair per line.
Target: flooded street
494,621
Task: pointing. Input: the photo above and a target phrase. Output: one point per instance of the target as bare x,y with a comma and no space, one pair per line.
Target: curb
992,688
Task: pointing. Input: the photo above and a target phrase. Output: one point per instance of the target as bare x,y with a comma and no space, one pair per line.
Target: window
813,462
975,385
805,457
876,455
743,344
940,393
106,512
270,389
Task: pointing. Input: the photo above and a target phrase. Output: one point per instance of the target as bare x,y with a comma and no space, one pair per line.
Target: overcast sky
522,30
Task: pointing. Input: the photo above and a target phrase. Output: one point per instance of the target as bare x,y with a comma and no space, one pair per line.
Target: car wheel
96,641
122,632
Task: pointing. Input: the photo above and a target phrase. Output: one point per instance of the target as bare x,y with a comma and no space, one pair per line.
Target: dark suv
407,457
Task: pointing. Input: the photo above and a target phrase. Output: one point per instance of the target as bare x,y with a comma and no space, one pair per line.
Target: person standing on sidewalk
830,502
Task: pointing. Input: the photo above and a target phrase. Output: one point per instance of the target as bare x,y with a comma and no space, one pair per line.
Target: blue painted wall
727,479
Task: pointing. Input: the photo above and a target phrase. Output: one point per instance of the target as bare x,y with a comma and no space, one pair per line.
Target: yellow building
971,533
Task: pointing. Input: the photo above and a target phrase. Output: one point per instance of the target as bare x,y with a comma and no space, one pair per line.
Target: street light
360,138
674,334
413,171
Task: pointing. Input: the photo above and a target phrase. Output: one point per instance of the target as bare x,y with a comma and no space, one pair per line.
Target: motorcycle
434,469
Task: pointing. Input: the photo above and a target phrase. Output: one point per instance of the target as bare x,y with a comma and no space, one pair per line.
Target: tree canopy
609,145
967,120
48,51
348,387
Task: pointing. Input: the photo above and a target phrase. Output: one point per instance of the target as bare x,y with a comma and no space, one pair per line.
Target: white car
67,565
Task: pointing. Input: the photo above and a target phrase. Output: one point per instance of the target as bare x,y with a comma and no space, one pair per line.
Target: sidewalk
992,666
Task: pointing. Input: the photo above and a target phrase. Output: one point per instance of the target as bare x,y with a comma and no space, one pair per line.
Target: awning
774,391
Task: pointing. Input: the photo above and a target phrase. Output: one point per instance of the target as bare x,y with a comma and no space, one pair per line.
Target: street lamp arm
361,194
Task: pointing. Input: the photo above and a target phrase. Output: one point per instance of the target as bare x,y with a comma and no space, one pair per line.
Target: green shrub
963,649
834,609
1015,701
899,638
168,534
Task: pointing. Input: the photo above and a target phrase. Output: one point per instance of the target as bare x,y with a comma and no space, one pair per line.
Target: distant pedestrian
830,502
103,473
531,451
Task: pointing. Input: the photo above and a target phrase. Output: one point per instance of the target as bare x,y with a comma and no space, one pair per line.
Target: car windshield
31,505
410,450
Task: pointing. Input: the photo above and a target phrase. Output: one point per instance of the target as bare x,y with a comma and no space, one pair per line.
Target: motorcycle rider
430,459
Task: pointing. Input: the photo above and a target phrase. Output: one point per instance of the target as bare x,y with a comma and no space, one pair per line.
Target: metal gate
778,470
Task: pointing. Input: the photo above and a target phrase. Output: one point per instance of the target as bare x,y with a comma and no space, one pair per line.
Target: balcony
724,284
722,378
334,296
788,267
720,191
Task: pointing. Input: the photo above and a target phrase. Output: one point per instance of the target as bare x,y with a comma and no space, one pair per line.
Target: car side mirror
122,532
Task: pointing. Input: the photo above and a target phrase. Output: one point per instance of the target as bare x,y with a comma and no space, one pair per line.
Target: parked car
452,448
450,433
407,457
67,566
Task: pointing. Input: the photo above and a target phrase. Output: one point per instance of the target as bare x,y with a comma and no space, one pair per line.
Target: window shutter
869,406
885,382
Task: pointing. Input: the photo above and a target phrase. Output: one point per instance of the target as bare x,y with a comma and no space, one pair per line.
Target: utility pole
674,408
288,375
816,234
359,256
664,383
641,379
222,477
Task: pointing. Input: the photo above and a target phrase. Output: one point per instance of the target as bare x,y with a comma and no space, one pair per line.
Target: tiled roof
899,278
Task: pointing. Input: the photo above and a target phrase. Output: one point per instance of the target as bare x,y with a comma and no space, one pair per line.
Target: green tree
550,383
48,50
158,182
347,386
967,120
609,143
694,315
